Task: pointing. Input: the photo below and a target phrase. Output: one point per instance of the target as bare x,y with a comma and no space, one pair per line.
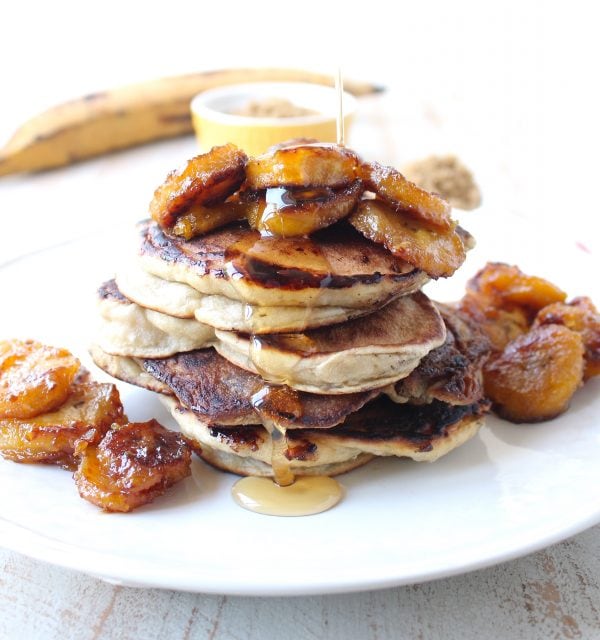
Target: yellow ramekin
215,124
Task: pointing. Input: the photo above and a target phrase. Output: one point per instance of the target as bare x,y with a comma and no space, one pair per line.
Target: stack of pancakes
328,340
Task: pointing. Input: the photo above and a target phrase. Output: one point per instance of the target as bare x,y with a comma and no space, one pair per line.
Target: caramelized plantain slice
86,415
499,325
206,179
34,378
535,377
579,315
439,253
202,219
401,194
304,165
292,142
290,213
507,286
133,464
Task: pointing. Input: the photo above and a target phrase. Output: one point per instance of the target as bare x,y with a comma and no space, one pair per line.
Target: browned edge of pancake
452,372
127,370
110,291
423,433
250,467
417,427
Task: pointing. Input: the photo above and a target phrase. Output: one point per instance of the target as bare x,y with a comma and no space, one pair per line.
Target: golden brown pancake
337,267
358,355
128,370
361,354
182,301
127,329
218,392
380,428
423,432
452,372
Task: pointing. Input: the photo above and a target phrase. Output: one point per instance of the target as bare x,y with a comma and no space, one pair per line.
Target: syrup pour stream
286,496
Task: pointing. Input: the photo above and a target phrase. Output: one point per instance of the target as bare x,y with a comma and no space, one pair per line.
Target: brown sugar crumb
449,177
272,108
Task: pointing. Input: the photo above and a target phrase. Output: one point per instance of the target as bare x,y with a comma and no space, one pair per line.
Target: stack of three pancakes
328,340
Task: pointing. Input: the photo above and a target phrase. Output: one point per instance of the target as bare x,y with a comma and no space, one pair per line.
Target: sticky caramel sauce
285,495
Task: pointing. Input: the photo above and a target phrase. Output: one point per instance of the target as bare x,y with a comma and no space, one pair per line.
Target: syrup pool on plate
308,495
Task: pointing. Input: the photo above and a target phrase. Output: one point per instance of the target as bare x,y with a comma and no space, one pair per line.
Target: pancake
218,392
452,372
182,301
172,298
248,466
337,267
358,355
231,315
128,370
423,432
381,428
247,450
127,329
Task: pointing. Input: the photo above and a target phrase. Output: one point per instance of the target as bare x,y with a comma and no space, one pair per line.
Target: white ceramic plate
511,490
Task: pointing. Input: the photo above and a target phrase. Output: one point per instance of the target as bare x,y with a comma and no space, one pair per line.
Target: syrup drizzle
277,199
286,496
339,88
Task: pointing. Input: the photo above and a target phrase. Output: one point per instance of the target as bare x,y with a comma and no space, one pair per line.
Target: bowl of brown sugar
257,115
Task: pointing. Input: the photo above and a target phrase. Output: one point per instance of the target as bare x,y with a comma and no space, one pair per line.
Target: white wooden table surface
507,91
551,594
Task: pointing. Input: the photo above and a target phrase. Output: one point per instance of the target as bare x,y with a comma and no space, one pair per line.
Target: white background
511,87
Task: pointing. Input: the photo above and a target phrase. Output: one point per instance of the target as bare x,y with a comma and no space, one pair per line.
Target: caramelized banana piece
437,252
507,286
401,194
34,378
133,464
292,142
579,315
501,326
206,179
202,219
86,415
535,377
289,213
305,165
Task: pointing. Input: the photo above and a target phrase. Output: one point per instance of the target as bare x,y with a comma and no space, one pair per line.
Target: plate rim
69,557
